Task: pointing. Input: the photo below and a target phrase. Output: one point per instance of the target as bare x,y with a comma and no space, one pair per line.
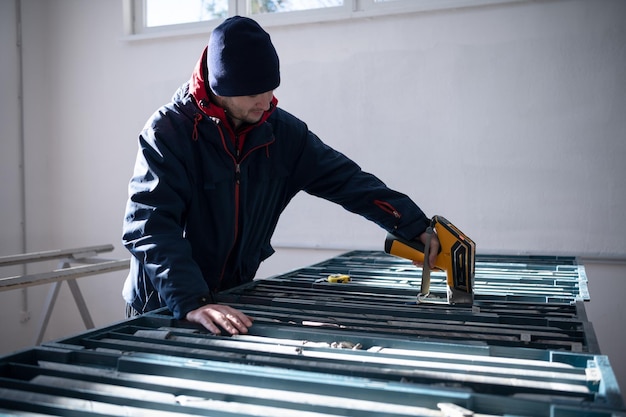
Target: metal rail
76,253
534,302
155,364
320,349
536,279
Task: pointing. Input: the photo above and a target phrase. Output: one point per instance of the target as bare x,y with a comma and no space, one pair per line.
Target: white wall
11,204
508,120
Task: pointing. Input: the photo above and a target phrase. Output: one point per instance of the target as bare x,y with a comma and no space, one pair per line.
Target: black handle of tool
415,244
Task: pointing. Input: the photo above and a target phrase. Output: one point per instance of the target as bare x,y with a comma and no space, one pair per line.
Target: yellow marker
338,278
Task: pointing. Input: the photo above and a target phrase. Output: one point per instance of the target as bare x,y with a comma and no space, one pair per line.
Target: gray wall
508,120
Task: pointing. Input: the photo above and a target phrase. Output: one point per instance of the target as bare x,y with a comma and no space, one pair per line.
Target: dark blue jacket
199,218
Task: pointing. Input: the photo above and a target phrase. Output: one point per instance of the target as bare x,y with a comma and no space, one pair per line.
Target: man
215,169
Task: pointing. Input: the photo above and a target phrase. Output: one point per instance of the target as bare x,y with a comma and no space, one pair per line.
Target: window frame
135,27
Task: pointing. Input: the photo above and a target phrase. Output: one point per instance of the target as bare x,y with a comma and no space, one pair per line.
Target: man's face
246,109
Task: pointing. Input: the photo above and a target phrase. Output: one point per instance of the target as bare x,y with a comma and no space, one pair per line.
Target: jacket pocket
387,207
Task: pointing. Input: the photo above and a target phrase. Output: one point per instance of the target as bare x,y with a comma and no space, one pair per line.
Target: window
167,12
278,6
148,18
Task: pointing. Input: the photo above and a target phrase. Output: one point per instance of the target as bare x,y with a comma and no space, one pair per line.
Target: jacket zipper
237,184
237,159
385,206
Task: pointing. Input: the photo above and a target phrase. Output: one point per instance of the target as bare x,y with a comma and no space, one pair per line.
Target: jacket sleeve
154,222
331,175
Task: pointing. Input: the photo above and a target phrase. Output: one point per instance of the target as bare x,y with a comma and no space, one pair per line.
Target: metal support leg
52,298
47,310
80,303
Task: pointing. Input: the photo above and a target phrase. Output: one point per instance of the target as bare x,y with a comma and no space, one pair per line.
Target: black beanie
241,59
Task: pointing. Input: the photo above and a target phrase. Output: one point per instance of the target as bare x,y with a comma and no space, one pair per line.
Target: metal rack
71,264
362,348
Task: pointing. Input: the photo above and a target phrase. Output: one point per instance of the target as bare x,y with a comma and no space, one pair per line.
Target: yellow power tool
456,256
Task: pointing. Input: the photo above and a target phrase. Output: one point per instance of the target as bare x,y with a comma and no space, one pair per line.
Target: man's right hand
213,315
